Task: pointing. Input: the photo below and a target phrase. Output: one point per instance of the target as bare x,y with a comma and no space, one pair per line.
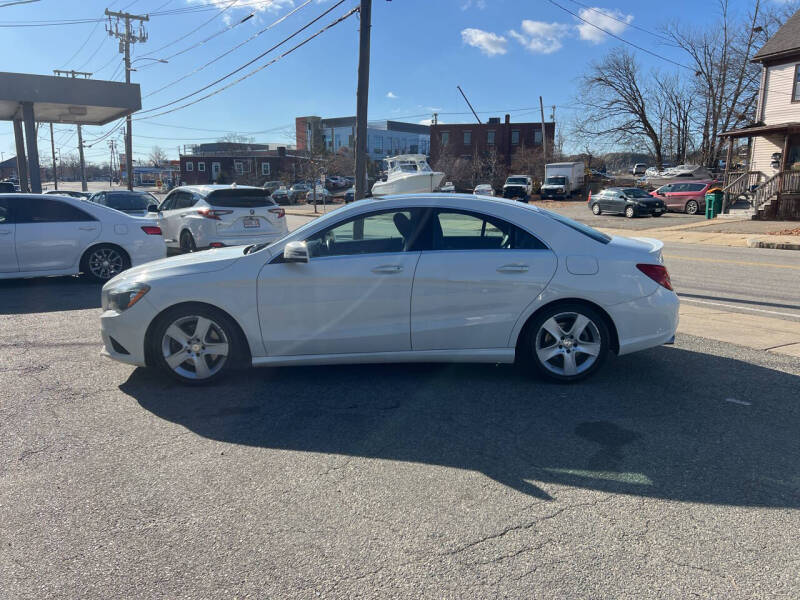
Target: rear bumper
646,322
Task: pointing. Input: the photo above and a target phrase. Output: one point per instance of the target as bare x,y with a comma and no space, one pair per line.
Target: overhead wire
194,30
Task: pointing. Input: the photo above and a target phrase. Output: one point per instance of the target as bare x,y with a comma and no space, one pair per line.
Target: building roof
9,163
761,130
785,42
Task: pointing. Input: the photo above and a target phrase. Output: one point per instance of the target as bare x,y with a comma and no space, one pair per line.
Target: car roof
205,190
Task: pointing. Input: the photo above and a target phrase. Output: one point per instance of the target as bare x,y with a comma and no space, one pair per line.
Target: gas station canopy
67,99
30,99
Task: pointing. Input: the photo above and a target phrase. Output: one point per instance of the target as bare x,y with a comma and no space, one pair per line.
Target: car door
51,233
8,253
169,215
614,202
472,286
352,296
677,196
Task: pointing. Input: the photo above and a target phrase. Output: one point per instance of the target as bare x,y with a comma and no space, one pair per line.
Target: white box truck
562,180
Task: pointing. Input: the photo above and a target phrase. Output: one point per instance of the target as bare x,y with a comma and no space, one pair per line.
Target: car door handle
5,231
87,228
513,268
387,269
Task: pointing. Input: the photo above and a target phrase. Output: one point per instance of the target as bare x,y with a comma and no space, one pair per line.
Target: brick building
248,164
464,139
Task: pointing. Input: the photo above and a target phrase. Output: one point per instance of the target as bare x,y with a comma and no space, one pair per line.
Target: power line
262,67
623,40
248,63
224,54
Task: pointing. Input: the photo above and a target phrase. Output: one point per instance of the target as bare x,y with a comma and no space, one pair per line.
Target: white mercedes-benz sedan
416,278
61,235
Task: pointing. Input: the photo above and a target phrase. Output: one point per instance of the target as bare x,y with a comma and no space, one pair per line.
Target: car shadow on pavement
667,423
48,294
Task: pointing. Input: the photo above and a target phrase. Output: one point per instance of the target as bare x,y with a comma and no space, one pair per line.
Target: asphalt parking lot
672,473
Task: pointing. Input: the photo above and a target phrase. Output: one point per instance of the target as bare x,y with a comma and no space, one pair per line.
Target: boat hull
411,183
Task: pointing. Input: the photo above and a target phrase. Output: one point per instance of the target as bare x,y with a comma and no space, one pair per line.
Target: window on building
265,168
467,138
537,137
238,166
201,167
796,89
445,138
189,166
490,137
379,144
515,137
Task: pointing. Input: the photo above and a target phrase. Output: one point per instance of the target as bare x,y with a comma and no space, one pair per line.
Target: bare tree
528,160
236,138
619,103
157,157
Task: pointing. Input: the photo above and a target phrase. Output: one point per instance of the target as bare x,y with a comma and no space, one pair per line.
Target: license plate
658,210
252,222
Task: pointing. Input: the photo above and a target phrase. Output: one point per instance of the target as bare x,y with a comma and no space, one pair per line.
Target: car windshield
239,198
636,193
129,200
517,180
560,180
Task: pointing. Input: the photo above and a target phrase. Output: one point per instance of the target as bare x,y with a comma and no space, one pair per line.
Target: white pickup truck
561,180
518,186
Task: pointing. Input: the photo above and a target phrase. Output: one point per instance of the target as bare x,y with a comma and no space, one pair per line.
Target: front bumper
641,211
646,322
123,333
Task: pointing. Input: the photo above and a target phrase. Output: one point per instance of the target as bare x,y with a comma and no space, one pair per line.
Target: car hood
206,261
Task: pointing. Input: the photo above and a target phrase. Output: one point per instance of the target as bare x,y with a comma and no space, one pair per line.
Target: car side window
665,189
5,212
680,187
695,187
169,201
185,200
100,198
462,230
381,232
39,210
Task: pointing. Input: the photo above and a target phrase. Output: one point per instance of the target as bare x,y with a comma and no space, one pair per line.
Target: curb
762,243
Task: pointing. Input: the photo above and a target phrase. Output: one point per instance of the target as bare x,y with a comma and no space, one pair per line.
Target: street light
155,60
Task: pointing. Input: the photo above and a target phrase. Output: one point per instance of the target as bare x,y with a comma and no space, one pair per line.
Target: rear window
129,201
636,193
597,236
239,198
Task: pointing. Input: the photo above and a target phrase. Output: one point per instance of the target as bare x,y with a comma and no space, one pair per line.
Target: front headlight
123,296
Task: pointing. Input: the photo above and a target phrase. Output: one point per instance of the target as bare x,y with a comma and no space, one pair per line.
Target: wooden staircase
752,194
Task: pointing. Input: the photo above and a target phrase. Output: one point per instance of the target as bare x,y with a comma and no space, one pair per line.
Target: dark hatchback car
137,204
631,202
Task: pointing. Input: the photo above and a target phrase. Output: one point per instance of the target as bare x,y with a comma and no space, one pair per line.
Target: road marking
770,312
735,401
745,263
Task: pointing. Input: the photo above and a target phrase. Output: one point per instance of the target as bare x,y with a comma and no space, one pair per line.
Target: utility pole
126,38
112,146
362,97
53,150
544,136
85,75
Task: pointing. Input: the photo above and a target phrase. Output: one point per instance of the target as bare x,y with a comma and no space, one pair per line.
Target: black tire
692,207
536,332
221,331
657,214
103,262
630,212
187,242
596,209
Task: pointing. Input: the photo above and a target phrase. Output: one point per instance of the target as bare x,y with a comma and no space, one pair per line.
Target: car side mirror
295,252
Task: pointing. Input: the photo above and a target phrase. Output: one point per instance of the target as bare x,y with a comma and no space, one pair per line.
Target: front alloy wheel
596,208
692,207
568,342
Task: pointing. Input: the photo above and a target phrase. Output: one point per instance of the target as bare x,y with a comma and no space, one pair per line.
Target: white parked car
323,195
213,216
418,278
484,189
60,235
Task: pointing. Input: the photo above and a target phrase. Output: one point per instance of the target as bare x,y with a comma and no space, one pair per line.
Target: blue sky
504,53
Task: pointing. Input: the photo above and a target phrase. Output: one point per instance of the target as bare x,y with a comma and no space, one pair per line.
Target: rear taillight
151,229
657,273
209,213
278,211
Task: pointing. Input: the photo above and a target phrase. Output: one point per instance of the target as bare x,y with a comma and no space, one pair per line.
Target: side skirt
490,355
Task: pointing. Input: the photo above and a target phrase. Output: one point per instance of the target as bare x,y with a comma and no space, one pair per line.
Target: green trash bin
714,202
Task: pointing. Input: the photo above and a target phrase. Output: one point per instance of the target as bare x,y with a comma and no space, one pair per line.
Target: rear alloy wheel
567,342
187,242
194,345
629,212
596,208
104,262
692,207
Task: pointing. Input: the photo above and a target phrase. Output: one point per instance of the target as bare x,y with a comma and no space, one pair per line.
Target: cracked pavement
386,481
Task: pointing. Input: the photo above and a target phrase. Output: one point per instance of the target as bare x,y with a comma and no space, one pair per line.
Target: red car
685,196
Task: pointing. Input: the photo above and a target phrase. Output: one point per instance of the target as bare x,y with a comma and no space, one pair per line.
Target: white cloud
479,4
487,42
391,95
541,37
252,5
611,20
